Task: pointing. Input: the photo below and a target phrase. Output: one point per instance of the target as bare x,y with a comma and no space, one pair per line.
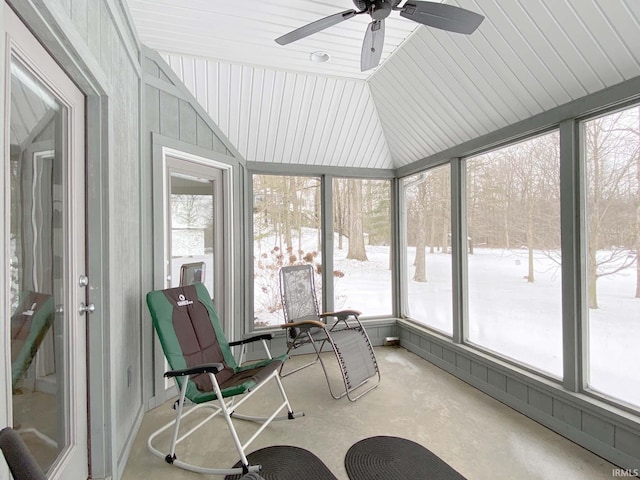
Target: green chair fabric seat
193,336
29,325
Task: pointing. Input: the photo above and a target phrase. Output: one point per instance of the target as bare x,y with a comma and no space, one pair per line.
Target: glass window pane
38,162
362,245
612,156
513,223
286,231
192,225
427,200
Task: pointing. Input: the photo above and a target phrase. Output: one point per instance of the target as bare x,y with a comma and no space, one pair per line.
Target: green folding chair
29,325
206,372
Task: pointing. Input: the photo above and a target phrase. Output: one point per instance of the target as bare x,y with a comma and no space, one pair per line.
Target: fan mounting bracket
378,9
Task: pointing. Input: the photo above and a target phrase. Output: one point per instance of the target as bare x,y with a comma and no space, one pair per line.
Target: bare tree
288,192
356,231
187,210
377,211
611,155
339,211
420,274
535,174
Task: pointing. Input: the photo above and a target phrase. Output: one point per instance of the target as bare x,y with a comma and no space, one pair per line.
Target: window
427,203
513,256
362,245
286,230
611,146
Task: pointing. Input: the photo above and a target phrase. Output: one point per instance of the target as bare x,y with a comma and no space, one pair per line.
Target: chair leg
174,439
251,418
180,413
290,413
305,365
324,369
318,357
232,429
264,421
343,367
347,389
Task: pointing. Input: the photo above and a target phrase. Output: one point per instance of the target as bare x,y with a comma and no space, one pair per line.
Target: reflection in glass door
191,231
46,255
195,211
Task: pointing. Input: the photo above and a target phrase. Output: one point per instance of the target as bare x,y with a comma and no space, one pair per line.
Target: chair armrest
341,314
264,336
206,368
305,323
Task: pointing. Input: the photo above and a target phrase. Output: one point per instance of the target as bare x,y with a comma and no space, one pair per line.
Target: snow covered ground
523,321
507,315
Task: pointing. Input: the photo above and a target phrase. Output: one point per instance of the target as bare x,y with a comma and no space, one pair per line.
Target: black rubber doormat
393,458
282,462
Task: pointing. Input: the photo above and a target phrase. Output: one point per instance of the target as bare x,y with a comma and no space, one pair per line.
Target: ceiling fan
432,14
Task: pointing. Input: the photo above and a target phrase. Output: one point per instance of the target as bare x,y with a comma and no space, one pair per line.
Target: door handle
90,308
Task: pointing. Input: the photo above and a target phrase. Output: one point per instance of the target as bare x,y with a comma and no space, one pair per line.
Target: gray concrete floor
475,434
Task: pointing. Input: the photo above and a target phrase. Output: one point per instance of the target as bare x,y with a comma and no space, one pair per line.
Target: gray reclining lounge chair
341,330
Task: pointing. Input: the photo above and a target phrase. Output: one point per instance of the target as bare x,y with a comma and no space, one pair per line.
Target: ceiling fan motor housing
378,9
361,5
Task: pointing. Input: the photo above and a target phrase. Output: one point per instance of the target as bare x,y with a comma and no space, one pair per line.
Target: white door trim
21,44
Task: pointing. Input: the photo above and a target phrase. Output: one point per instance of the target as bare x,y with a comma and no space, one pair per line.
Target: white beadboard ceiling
432,91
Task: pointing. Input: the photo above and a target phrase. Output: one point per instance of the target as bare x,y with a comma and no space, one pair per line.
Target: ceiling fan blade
443,16
372,45
315,27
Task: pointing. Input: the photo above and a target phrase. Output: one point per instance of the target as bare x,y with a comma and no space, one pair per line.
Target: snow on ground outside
508,315
523,321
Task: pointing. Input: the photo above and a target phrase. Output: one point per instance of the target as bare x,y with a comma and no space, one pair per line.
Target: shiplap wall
245,33
287,117
172,116
440,89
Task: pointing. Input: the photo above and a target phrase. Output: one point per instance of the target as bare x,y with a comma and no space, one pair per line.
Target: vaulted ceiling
433,89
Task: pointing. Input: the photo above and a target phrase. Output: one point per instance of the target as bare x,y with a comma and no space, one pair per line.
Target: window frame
582,359
326,176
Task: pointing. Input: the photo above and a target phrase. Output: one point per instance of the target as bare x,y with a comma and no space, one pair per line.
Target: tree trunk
507,240
445,231
420,274
432,231
530,275
288,187
592,278
339,213
296,214
356,232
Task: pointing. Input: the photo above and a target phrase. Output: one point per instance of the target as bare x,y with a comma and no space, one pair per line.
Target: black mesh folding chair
308,326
